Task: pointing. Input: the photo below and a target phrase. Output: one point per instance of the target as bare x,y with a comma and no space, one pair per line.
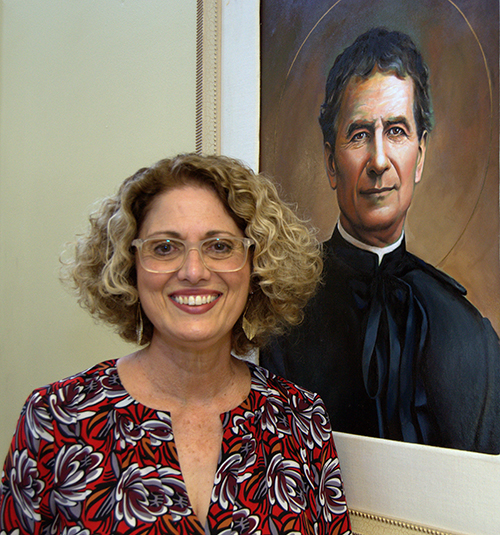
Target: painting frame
391,487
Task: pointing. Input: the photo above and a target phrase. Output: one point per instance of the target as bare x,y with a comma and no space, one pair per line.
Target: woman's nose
193,268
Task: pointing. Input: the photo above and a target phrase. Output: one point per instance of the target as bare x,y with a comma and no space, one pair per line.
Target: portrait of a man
390,342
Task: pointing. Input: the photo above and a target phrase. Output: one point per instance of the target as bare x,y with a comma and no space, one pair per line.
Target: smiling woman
195,259
193,303
104,271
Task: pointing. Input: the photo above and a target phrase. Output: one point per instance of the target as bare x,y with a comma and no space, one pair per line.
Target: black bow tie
395,327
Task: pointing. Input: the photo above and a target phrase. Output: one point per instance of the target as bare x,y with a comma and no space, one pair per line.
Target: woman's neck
164,378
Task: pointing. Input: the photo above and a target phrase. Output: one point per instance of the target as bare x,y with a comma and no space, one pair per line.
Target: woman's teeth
194,300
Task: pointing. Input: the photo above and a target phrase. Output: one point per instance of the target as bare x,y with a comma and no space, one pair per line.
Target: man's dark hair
392,52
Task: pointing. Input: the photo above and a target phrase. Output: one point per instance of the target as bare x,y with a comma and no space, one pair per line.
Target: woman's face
192,213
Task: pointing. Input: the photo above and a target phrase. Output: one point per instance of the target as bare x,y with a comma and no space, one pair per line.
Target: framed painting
453,219
243,109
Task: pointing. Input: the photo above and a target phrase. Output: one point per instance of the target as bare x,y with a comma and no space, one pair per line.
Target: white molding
240,82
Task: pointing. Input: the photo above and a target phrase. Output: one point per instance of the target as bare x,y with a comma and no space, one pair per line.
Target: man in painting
390,343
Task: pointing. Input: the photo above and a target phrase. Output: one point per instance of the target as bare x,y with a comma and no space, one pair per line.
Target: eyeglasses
166,255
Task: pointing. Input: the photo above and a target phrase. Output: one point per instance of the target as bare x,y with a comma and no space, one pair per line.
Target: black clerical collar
365,261
379,251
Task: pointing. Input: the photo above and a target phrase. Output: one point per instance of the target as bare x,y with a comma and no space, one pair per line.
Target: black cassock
396,351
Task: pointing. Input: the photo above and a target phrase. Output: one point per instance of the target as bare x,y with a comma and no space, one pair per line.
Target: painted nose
379,161
193,268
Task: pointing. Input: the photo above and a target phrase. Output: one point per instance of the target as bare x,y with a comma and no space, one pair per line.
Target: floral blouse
87,459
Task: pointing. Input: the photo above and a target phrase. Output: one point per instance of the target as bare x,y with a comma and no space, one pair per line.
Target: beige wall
89,92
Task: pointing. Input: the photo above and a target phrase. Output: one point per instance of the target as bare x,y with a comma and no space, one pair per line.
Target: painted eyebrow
360,125
370,125
398,120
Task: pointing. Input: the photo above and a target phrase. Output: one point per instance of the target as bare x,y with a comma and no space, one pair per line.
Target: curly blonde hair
286,257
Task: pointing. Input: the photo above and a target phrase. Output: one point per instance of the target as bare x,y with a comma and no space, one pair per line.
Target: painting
230,91
391,343
458,197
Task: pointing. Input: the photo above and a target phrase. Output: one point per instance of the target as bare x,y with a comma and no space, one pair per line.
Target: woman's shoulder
279,387
304,411
58,408
82,386
103,368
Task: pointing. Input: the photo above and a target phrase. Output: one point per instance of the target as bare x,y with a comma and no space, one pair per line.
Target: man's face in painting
377,158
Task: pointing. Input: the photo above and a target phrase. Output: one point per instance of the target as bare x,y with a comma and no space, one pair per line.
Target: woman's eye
220,246
164,248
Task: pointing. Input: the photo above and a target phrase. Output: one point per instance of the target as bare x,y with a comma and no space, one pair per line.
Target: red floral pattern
87,459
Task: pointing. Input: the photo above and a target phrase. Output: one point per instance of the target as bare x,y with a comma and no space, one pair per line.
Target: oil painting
400,177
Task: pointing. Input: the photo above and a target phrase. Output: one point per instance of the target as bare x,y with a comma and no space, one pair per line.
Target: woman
195,259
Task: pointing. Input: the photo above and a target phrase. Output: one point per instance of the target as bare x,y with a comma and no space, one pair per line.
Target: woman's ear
330,165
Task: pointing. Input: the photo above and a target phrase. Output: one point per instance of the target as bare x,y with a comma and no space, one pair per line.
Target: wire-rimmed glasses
219,254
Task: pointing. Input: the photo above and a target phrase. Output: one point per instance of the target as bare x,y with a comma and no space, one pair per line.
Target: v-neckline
226,418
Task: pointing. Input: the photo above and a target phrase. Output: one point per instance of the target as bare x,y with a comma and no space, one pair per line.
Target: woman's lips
195,303
194,300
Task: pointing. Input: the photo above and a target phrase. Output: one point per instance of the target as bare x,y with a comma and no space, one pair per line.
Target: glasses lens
224,254
162,255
